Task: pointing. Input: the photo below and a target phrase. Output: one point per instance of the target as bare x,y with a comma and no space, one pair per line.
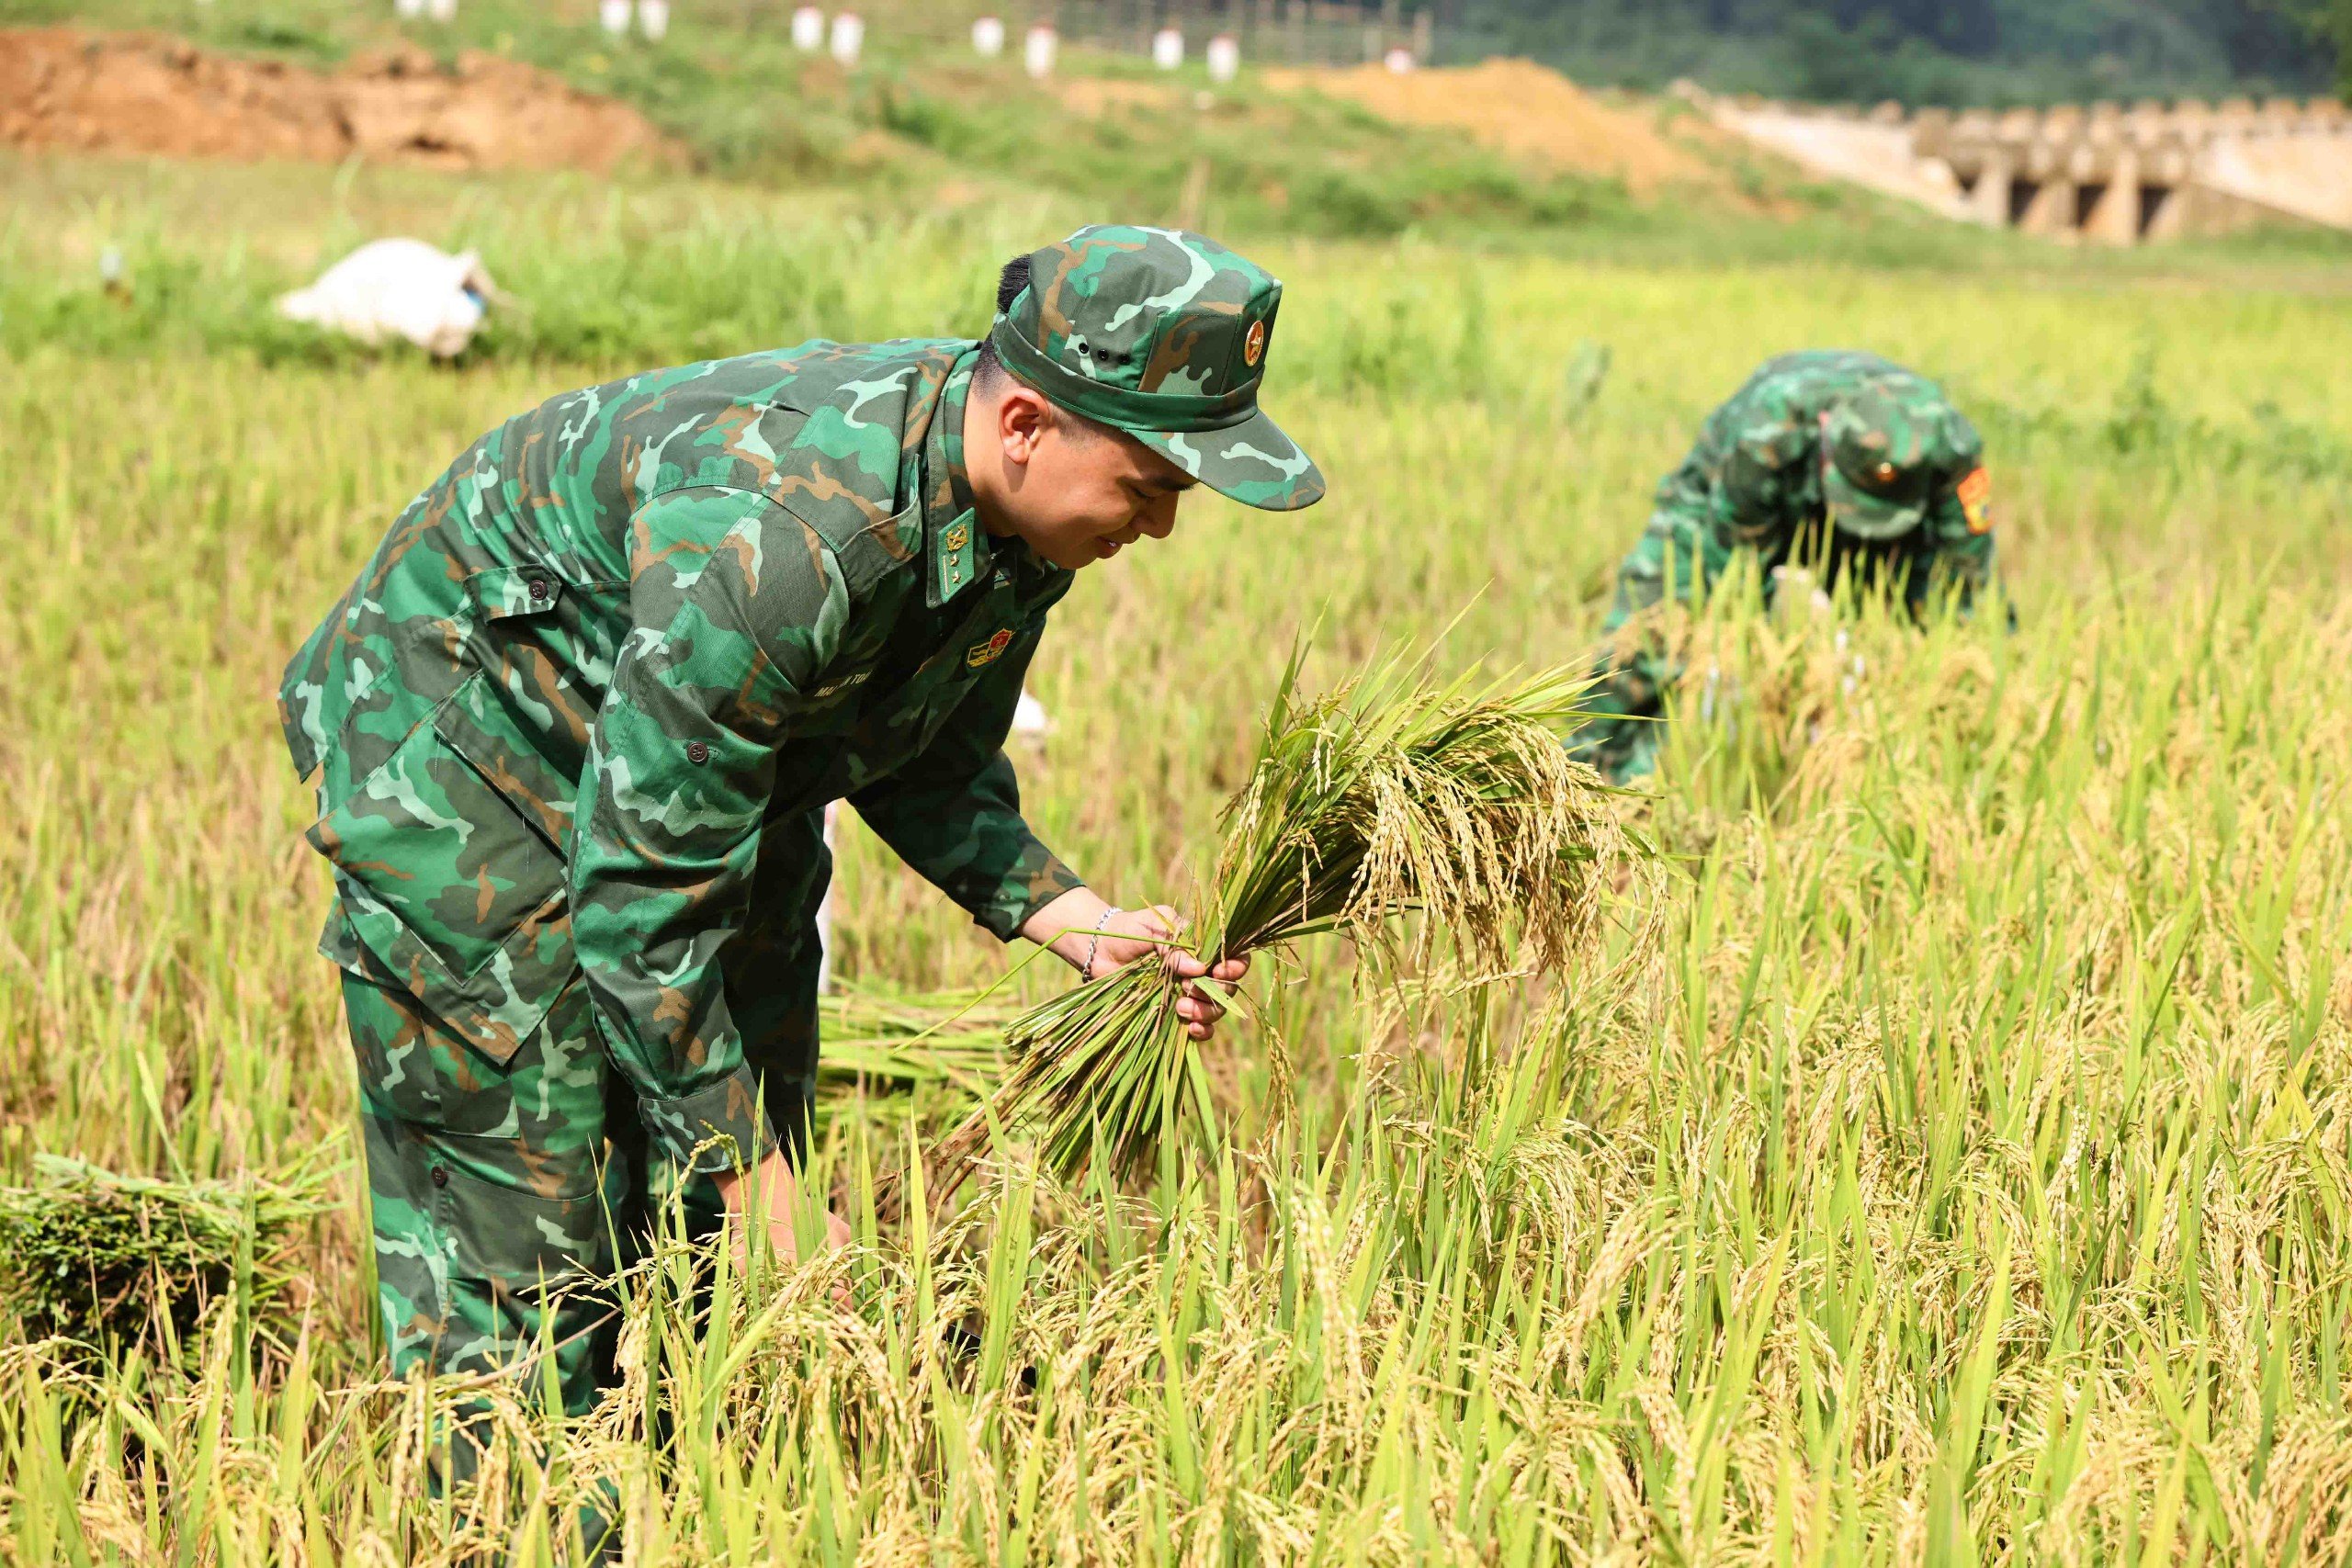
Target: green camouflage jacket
597,671
1802,443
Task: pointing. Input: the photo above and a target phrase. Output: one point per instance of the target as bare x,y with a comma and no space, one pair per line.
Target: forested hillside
1954,51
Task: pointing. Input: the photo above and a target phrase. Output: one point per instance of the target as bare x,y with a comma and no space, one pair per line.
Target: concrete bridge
2103,173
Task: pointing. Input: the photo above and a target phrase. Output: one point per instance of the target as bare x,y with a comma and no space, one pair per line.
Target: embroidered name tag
985,653
834,688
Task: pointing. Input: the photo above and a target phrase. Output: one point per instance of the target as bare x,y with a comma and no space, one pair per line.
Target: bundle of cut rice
1387,797
91,1254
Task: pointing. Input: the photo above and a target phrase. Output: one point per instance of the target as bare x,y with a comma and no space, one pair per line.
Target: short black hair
990,370
1009,285
1012,281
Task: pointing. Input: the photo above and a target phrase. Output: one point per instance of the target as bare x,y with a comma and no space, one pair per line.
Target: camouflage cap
1161,335
1889,449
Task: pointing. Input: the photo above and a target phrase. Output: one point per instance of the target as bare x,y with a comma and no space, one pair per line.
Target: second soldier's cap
1890,450
1164,335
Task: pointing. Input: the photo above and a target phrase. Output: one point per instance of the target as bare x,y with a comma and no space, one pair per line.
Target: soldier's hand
1096,939
769,1192
1152,932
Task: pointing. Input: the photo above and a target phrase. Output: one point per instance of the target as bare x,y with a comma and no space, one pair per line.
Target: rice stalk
1385,797
876,1035
936,1055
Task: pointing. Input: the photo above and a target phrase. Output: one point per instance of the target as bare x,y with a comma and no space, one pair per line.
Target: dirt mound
130,93
1517,107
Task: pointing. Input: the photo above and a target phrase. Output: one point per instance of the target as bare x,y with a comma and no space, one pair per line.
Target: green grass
945,133
921,115
1960,1173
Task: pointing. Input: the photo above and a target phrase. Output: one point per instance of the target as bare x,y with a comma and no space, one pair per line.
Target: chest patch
982,654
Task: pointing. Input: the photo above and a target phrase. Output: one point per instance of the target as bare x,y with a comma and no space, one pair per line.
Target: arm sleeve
954,811
1678,557
734,602
1728,492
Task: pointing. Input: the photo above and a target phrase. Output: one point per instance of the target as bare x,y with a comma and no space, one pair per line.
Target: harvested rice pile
89,1255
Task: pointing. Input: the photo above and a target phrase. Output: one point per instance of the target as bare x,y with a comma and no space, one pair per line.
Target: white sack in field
825,912
402,288
1029,717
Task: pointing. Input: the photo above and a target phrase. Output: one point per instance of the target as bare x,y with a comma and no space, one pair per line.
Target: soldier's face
1076,493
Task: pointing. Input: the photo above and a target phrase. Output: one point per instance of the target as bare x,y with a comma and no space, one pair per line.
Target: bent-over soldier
1838,460
576,723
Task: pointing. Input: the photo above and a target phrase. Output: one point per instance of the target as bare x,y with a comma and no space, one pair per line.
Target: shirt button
697,753
440,1176
541,590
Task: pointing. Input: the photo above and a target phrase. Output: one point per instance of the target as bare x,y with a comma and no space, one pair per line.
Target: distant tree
1988,52
2327,21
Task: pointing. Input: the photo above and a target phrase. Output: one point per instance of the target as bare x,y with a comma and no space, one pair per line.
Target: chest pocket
449,854
896,720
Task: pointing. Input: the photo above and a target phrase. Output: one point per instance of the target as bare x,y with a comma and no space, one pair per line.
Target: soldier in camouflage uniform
575,724
1838,460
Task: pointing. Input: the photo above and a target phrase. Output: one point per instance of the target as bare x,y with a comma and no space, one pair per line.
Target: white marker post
653,19
987,37
1224,58
808,30
1037,50
1167,49
613,17
849,37
1400,61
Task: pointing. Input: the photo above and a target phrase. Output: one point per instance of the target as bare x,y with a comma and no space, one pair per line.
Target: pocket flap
494,1008
449,883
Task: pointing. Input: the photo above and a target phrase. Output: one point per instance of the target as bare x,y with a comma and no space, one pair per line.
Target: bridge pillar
2114,218
1989,197
2044,205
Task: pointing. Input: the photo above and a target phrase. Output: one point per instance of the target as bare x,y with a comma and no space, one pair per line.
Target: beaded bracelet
1086,970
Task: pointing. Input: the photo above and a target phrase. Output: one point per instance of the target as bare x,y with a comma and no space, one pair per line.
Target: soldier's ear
1023,417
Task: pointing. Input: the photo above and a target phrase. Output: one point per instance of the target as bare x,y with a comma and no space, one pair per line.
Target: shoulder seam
682,487
771,502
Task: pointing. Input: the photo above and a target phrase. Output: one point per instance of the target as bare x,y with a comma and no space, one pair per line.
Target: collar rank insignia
982,654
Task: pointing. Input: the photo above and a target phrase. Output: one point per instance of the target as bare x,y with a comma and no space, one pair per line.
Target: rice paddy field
1944,1161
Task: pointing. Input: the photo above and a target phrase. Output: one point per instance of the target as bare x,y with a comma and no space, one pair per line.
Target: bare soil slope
1519,108
135,94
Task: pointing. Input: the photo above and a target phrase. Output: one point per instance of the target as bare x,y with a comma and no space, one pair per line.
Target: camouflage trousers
504,1198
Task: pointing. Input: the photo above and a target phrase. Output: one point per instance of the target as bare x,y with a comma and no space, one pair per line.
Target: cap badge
982,654
1253,346
1883,474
